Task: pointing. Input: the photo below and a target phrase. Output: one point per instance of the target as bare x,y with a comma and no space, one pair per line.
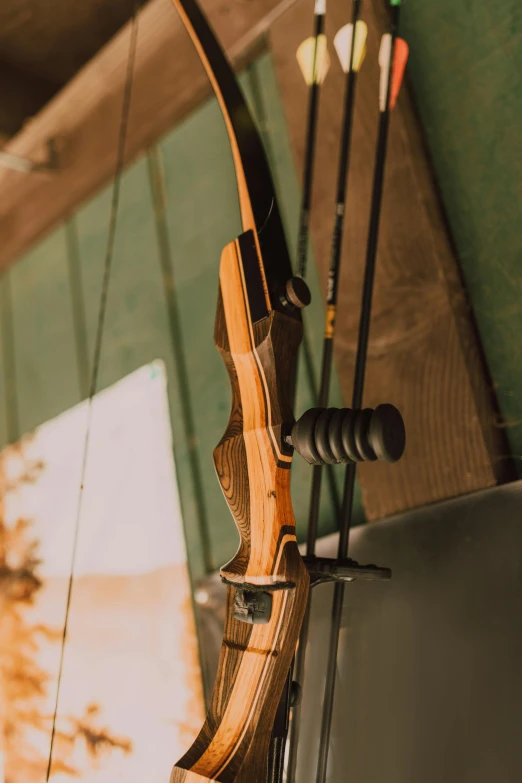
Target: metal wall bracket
27,166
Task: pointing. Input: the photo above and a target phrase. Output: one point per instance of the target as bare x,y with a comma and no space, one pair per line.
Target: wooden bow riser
252,461
253,466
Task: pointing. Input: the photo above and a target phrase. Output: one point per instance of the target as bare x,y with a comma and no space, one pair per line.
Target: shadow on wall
429,684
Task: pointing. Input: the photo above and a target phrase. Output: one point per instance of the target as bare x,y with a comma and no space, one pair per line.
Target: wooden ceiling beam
84,118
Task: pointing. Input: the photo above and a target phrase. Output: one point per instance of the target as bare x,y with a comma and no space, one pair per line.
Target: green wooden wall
466,70
178,209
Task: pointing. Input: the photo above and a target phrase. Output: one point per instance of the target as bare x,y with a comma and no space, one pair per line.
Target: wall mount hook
27,166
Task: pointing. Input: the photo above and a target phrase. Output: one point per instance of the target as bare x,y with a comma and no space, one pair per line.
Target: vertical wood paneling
3,374
9,419
45,355
201,217
181,381
136,327
77,306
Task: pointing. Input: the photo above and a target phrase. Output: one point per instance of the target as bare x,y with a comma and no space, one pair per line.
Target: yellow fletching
361,34
312,57
343,45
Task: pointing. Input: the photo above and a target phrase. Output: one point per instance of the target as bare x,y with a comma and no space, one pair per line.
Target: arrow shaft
333,275
327,359
371,255
358,388
310,146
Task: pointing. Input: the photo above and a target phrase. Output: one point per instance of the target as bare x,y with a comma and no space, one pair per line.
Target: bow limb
257,202
258,331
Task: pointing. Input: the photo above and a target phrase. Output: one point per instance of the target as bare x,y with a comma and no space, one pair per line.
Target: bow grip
258,344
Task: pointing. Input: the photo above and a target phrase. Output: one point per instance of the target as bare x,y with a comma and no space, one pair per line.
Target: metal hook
27,166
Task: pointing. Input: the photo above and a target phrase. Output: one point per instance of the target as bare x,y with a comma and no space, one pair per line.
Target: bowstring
102,310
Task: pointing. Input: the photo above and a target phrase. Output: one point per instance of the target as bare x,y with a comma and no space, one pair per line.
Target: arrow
393,56
350,50
314,62
312,55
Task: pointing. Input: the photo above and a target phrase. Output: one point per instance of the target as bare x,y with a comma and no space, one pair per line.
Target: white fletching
343,45
385,65
320,7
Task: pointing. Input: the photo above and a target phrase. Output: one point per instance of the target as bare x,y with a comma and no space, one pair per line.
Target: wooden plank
423,354
465,98
85,117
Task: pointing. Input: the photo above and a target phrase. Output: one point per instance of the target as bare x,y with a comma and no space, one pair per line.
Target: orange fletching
400,58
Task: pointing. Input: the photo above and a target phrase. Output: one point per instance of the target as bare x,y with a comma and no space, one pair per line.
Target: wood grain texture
253,666
423,354
253,467
85,117
465,99
252,461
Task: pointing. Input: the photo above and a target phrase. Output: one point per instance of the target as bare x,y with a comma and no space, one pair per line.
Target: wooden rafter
84,118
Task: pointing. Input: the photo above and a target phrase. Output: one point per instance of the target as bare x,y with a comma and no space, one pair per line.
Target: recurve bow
258,330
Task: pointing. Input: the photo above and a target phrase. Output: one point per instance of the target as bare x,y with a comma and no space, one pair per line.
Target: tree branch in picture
24,682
